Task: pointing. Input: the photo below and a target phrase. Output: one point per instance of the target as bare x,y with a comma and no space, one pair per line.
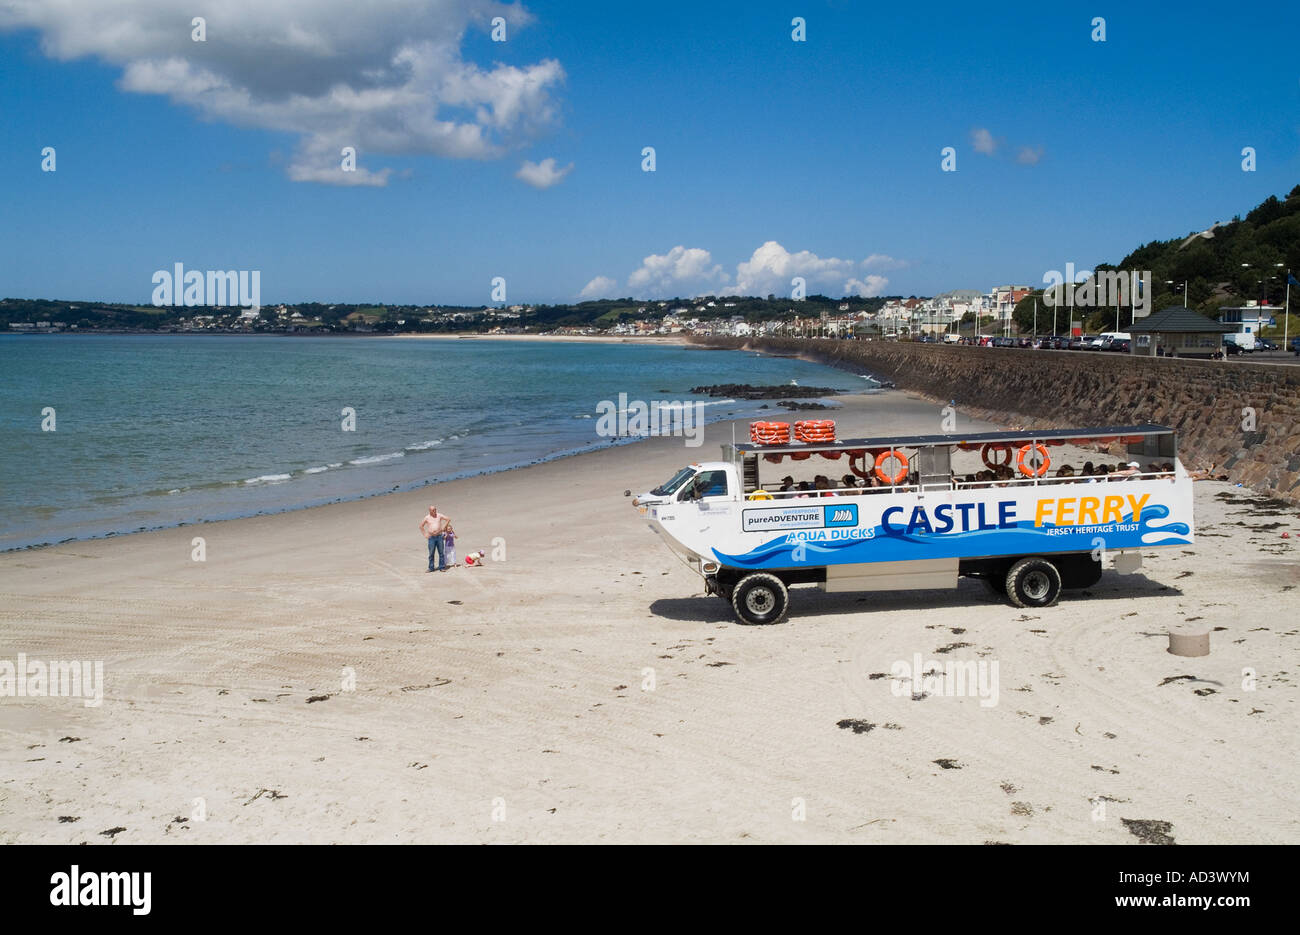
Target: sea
103,435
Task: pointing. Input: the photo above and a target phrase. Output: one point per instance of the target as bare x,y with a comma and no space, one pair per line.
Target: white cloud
1029,155
771,268
680,271
542,174
602,287
873,285
684,271
386,78
883,261
983,141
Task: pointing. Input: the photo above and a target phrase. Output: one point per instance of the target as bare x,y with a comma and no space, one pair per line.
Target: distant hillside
392,319
1267,239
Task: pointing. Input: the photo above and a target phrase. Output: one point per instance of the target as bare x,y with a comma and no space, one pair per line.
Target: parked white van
1106,338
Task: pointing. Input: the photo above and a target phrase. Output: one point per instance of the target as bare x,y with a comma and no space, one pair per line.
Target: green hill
1245,260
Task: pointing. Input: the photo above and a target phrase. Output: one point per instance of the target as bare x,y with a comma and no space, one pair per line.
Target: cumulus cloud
983,141
602,287
542,174
684,271
1029,155
680,271
386,78
772,267
882,261
867,287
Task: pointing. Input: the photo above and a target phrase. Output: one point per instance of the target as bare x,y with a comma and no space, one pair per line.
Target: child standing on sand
449,543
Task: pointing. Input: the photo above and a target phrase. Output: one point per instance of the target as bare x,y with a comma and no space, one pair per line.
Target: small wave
423,446
376,459
316,470
268,479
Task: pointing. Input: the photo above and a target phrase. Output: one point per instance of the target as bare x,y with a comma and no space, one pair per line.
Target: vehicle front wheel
760,598
1033,582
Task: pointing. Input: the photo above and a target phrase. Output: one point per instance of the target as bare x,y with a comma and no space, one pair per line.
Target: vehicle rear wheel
760,598
1033,582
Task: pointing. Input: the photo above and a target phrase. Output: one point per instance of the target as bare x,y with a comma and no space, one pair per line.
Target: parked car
1264,344
1232,348
1075,344
1295,346
1122,345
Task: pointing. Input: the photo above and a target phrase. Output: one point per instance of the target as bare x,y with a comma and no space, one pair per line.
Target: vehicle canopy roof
1080,436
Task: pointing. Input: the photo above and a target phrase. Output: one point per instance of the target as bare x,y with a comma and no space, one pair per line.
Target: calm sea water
156,431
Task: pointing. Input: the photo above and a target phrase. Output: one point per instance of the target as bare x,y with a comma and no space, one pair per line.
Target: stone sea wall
1240,417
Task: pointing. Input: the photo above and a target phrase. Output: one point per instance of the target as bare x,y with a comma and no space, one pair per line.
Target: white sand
521,683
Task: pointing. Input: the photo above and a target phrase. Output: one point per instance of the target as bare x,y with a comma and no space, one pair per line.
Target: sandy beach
509,703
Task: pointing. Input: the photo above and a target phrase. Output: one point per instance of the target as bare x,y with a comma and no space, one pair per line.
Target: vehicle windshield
676,482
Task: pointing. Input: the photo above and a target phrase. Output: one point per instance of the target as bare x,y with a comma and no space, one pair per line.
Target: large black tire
760,598
1033,582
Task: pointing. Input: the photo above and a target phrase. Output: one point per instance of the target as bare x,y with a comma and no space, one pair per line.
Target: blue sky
828,151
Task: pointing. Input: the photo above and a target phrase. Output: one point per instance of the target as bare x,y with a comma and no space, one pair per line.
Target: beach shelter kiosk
1180,330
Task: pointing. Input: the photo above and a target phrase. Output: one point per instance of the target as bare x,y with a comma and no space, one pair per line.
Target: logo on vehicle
842,515
800,517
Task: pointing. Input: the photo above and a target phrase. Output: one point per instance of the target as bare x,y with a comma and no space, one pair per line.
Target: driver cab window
706,484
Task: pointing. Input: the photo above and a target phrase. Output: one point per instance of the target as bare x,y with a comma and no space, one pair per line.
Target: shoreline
561,455
664,339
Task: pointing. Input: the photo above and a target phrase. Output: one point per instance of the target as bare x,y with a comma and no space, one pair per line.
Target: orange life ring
991,464
855,457
800,456
885,456
769,433
775,459
1029,471
830,455
815,430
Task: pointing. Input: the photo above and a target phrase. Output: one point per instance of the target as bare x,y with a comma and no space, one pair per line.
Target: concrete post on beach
1191,640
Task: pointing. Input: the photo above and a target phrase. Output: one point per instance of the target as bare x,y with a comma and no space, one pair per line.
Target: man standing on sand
434,526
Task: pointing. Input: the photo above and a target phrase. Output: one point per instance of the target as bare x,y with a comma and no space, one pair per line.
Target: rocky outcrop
1239,416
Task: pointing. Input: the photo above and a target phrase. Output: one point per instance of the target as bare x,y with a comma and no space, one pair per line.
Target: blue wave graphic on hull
1022,539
